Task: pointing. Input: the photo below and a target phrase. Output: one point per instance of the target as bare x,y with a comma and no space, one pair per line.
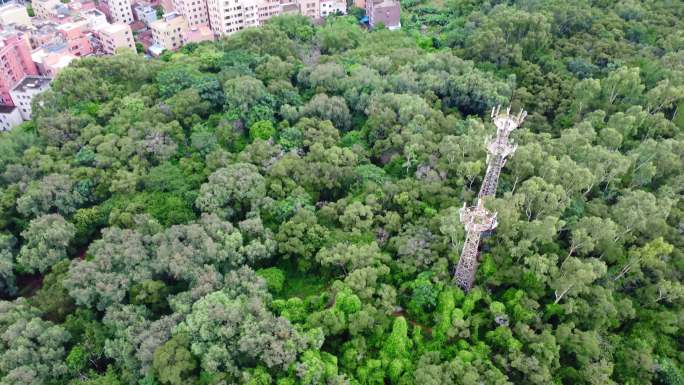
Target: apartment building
196,12
290,9
169,32
15,63
145,13
250,16
79,7
115,36
44,8
229,16
310,8
73,34
95,18
332,7
52,58
14,14
268,9
119,11
26,90
43,33
387,12
9,118
226,17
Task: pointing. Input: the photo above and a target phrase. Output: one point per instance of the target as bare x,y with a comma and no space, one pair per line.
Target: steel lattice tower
477,219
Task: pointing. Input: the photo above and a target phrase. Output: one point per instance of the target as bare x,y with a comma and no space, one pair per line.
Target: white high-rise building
228,16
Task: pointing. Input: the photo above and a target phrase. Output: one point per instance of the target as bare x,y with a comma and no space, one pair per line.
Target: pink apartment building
15,64
43,33
52,58
74,36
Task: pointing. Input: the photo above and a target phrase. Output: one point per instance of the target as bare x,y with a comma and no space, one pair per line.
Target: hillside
282,206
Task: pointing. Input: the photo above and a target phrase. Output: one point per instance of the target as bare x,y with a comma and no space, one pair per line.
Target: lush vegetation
281,206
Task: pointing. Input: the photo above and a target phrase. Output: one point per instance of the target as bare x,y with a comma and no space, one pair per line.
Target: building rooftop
32,82
170,16
67,26
62,10
5,35
113,28
156,49
55,56
8,6
168,21
93,12
62,61
385,3
144,7
291,7
6,109
56,45
200,33
137,25
45,29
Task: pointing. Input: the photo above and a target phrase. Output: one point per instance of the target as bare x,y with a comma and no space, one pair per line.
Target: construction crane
477,219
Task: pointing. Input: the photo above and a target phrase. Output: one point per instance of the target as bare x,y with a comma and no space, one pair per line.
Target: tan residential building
114,37
195,11
170,31
15,14
268,9
44,8
310,8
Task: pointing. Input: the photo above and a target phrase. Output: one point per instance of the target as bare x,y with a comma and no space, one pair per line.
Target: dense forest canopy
281,206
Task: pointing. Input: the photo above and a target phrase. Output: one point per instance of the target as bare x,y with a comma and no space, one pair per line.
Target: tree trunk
559,297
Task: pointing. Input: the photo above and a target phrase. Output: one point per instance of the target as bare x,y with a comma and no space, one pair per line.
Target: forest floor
298,284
